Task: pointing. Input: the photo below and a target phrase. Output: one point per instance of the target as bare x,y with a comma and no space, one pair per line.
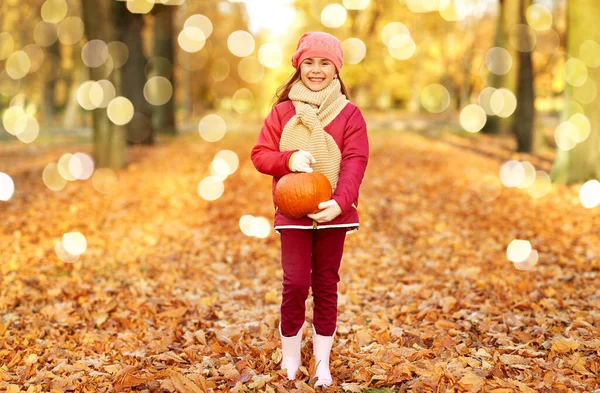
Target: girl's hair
284,90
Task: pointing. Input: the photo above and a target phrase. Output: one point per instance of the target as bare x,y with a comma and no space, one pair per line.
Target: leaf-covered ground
171,296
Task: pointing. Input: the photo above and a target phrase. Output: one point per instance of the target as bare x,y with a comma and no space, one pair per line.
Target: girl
313,126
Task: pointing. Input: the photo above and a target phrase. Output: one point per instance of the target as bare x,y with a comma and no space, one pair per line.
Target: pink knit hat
319,44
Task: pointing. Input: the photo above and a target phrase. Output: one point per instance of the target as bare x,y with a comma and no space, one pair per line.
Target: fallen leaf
443,324
13,389
183,384
564,346
126,378
471,382
363,338
353,387
258,381
173,313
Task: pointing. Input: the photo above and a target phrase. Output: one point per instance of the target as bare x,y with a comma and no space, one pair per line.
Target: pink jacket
349,131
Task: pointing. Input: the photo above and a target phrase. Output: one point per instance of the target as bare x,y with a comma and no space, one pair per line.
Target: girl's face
317,73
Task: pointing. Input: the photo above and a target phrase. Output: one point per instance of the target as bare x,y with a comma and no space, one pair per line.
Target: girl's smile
317,73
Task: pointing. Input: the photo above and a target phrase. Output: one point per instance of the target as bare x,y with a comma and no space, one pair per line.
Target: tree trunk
523,118
508,11
109,139
414,104
581,163
49,110
129,30
163,119
72,108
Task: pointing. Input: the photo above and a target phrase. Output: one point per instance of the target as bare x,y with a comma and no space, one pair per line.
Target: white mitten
301,160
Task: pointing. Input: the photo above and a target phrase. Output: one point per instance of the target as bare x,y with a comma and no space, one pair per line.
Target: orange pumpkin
299,194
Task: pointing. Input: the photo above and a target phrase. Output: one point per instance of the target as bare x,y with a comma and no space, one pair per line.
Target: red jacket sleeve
355,155
265,154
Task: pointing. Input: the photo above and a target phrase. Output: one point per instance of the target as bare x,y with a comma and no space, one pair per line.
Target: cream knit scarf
305,130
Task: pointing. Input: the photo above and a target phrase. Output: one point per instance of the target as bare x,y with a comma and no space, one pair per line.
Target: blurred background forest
126,71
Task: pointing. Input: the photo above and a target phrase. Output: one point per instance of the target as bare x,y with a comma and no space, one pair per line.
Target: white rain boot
290,348
321,350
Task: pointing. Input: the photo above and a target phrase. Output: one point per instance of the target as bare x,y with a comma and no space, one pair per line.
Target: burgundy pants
310,257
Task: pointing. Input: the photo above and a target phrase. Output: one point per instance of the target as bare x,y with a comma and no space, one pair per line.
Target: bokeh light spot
70,30
81,166
53,11
10,118
270,55
140,6
354,50
94,53
211,188
498,60
260,227
119,53
393,29
245,224
435,98
219,168
518,250
101,93
539,17
356,4
84,97
191,39
575,72
120,110
52,178
7,45
503,102
64,255
589,194
454,10
18,64
45,34
212,128
528,175
484,100
202,22
243,100
220,69
589,53
105,181
158,90
74,243
333,15
566,135
472,118
529,262
586,93
28,128
401,47
250,69
7,187
582,125
241,43
63,167
230,158
541,186
512,173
